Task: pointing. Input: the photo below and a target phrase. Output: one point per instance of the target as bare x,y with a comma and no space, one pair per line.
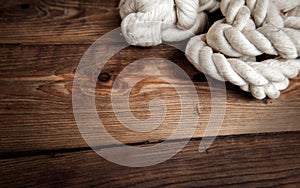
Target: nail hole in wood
104,77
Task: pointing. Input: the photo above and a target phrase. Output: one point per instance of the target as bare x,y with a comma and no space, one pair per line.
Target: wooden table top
41,45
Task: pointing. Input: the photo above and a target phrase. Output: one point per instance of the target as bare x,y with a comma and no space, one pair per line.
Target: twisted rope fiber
149,22
228,51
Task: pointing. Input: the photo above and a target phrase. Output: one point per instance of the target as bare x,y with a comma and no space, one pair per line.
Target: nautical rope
229,49
149,22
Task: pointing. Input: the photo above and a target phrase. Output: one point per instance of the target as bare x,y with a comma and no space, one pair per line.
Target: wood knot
104,77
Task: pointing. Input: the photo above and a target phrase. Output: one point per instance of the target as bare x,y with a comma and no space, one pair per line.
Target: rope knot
249,29
148,23
229,49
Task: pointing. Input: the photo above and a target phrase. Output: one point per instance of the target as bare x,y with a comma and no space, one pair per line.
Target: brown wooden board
36,99
56,22
41,45
236,161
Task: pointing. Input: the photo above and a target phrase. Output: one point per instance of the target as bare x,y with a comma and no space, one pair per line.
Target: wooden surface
231,161
41,44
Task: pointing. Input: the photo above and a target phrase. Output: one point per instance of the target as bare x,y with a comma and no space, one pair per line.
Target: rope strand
250,28
149,23
228,50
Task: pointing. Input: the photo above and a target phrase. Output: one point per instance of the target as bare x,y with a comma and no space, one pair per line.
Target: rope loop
148,23
249,29
229,49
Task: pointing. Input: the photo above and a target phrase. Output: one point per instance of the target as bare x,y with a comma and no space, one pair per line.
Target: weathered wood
41,146
235,161
56,21
36,104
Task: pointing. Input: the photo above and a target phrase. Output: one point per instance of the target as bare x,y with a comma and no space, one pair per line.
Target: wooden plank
41,145
59,21
56,21
235,161
36,104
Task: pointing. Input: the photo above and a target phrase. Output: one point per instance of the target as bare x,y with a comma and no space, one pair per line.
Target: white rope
149,22
228,50
250,29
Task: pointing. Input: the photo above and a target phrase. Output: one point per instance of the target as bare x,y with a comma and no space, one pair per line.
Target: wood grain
56,22
235,161
41,45
36,100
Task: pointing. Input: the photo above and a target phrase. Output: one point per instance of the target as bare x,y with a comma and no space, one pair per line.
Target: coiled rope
149,22
228,51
